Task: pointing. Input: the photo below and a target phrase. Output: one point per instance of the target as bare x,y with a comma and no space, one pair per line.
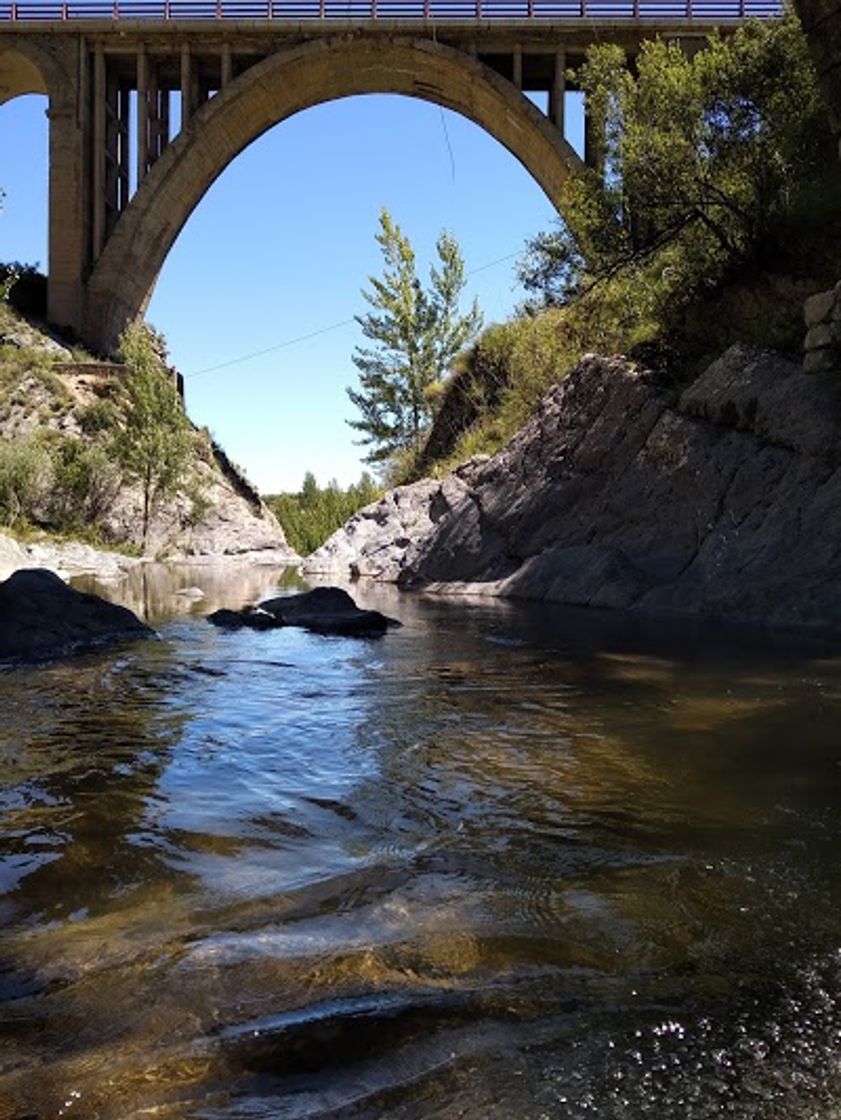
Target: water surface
507,862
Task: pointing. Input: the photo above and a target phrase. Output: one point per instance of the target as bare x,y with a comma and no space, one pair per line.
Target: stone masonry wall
822,313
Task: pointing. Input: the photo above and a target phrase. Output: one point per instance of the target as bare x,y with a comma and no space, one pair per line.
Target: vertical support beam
158,113
557,94
227,65
123,133
112,150
163,119
154,124
186,85
70,175
142,115
517,67
199,90
98,154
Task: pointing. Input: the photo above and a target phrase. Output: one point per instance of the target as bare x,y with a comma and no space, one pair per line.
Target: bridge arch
273,90
25,68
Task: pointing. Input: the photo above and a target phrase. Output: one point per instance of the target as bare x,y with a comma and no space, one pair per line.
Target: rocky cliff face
725,504
217,514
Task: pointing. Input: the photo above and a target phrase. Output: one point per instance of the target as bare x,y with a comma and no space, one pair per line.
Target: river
509,861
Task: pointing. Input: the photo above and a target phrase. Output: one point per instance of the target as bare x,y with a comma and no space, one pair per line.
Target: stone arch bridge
149,100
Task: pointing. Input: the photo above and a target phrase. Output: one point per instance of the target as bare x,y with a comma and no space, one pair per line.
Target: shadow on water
509,861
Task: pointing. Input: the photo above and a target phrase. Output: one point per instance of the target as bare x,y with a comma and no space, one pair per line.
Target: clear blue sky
279,249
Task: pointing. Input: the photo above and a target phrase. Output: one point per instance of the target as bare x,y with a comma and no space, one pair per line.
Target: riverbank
71,559
722,504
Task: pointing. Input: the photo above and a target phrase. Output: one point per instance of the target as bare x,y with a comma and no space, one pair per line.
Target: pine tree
416,332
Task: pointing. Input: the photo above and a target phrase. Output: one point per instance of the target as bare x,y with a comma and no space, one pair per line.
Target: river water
506,862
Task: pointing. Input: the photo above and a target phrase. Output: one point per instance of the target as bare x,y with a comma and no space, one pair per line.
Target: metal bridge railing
708,11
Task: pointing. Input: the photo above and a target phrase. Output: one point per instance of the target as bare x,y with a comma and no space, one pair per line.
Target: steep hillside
59,473
723,504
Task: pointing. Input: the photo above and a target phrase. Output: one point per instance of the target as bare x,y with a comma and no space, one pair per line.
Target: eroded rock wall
725,504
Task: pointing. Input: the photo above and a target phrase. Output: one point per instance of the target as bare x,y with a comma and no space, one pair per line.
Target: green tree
155,440
712,165
416,332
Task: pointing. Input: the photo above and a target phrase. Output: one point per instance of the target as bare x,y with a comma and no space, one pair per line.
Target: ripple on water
500,864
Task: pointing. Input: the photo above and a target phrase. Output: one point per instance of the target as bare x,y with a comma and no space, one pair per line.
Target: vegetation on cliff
714,211
108,455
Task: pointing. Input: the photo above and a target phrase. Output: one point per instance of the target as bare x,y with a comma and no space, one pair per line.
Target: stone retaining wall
822,313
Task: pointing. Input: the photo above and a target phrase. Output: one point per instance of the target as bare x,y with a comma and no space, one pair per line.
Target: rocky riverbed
722,504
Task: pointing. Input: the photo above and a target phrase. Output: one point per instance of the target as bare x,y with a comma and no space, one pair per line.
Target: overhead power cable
321,330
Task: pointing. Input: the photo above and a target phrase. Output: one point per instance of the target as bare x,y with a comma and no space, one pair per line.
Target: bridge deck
675,14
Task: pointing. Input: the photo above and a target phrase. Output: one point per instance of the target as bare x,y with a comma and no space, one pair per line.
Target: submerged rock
42,618
325,610
724,505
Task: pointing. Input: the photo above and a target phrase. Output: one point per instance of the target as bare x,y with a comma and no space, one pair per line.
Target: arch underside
19,75
274,90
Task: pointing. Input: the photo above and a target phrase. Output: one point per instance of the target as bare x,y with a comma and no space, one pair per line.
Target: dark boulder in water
325,610
248,619
42,618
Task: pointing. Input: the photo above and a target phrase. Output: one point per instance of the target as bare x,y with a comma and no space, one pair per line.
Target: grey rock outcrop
42,618
723,505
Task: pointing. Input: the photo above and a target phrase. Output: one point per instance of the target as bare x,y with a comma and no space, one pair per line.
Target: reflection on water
157,592
506,862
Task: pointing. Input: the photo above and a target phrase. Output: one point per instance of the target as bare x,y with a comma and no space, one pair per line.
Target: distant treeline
309,516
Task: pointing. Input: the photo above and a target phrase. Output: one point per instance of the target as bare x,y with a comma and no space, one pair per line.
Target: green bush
25,475
85,483
100,416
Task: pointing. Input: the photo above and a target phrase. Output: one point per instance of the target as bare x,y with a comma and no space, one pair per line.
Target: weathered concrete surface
41,617
726,505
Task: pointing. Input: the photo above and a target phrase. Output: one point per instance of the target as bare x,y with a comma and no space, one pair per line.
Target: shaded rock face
42,618
326,610
725,505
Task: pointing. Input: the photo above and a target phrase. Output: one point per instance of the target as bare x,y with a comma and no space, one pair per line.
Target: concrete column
557,94
153,101
69,229
98,154
142,115
158,114
123,133
227,65
186,86
163,119
112,150
517,67
199,89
